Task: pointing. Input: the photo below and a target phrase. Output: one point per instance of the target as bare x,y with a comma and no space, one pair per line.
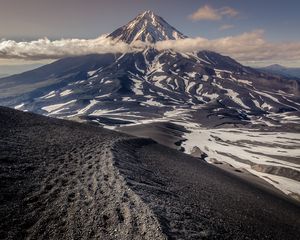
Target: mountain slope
51,76
65,180
143,82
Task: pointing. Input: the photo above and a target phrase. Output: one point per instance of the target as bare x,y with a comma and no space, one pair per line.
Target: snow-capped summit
146,27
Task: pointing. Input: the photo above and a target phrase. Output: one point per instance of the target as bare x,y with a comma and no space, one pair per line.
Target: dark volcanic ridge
65,180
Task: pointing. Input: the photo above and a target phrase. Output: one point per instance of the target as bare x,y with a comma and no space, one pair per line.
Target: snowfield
271,156
243,148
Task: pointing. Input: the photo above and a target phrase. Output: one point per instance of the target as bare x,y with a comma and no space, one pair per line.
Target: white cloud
226,27
249,47
228,11
209,13
47,49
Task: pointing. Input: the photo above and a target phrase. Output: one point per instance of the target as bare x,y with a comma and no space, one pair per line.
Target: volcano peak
146,27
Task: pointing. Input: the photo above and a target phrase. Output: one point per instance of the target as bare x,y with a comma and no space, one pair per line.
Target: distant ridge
282,70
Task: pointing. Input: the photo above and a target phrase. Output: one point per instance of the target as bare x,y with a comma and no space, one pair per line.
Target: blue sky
33,19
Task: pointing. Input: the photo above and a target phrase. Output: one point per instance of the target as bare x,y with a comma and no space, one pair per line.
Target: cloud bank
213,14
47,49
248,47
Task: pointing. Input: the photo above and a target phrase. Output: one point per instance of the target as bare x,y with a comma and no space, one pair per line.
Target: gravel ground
196,200
58,181
65,180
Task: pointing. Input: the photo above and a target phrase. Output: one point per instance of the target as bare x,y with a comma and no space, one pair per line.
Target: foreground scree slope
65,180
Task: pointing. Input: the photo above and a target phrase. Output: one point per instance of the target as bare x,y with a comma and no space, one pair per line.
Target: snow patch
19,106
54,107
66,92
49,95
